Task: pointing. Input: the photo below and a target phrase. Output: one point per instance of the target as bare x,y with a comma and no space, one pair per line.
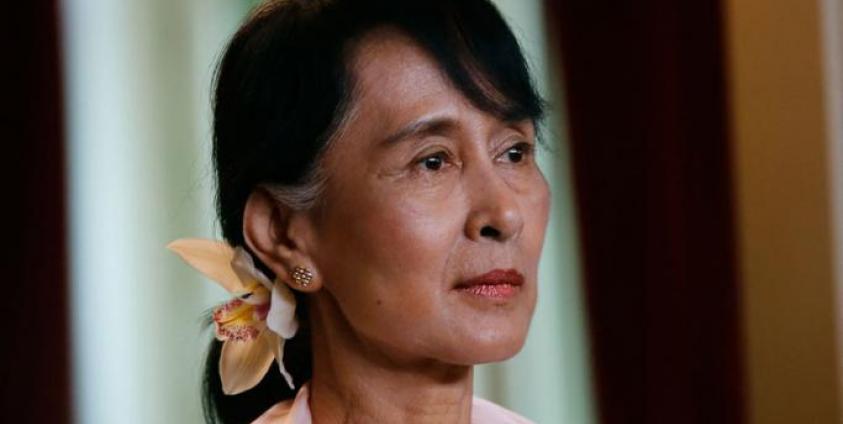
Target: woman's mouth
495,284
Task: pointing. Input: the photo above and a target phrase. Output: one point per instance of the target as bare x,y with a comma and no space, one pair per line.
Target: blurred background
694,260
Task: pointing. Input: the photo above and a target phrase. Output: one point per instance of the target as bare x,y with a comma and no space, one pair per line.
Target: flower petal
244,266
243,364
277,344
281,317
238,320
255,294
212,258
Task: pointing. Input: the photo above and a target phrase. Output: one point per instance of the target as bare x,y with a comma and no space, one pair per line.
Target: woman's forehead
397,82
398,87
394,74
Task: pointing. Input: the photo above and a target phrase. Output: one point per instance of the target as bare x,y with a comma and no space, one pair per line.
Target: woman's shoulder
276,414
484,411
296,411
290,411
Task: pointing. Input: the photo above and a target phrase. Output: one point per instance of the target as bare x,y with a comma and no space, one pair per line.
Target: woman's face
433,218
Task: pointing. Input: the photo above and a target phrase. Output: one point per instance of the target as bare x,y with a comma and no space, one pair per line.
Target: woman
376,158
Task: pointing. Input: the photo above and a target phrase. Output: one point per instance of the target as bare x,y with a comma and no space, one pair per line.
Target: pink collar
297,411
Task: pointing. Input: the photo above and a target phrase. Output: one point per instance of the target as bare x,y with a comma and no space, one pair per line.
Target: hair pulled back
283,87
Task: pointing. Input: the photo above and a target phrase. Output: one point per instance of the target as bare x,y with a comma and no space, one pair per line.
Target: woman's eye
433,162
516,153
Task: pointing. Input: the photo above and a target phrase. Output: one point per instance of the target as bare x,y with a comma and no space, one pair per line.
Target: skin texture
407,215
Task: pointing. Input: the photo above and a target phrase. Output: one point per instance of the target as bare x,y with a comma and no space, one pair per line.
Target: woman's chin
493,347
497,355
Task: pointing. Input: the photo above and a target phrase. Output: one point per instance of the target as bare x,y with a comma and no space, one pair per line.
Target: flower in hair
255,323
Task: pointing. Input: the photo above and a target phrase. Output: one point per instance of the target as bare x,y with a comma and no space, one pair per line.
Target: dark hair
282,88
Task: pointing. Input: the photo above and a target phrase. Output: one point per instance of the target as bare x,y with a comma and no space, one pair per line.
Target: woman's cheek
416,228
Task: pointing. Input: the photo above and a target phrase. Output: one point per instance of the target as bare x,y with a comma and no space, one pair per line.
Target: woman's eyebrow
421,128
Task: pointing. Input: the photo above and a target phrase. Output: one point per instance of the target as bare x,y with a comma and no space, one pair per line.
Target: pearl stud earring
302,276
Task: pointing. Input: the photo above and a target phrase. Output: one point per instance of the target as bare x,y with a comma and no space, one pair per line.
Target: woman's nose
494,210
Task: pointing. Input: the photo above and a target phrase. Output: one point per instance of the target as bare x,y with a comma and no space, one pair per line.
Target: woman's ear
280,238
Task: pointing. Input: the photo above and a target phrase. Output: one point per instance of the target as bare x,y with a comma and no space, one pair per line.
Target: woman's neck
355,384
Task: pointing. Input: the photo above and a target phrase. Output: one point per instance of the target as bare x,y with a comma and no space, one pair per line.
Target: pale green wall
137,79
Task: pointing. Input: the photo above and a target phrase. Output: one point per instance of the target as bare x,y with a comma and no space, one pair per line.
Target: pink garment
297,411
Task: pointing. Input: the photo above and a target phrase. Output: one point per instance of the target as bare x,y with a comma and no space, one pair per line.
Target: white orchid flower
255,323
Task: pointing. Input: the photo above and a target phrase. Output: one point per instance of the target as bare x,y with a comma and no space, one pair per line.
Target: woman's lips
496,284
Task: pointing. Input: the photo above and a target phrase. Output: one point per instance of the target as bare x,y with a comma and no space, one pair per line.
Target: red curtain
34,375
647,112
